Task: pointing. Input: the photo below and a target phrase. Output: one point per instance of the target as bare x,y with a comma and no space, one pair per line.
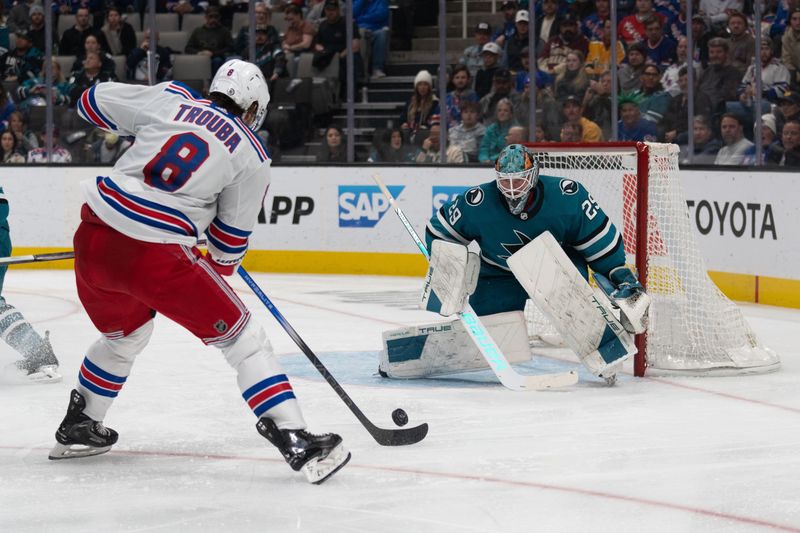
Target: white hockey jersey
193,168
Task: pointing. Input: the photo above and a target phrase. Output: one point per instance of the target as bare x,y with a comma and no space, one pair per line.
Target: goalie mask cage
693,328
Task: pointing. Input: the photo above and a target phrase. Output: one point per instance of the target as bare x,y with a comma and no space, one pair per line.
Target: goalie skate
42,365
80,436
317,456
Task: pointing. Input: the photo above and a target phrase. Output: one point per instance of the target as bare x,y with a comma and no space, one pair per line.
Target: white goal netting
694,328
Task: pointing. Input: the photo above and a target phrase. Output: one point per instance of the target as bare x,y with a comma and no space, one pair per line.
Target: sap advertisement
744,222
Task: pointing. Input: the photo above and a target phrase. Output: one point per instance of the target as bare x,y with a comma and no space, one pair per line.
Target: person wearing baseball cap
518,40
490,53
509,9
472,54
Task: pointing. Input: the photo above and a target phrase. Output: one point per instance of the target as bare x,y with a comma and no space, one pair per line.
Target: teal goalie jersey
561,206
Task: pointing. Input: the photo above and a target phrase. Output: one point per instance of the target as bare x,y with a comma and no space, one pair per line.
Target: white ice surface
650,455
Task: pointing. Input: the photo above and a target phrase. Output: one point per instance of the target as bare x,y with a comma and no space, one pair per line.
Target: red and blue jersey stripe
187,93
268,393
98,380
227,238
90,111
144,211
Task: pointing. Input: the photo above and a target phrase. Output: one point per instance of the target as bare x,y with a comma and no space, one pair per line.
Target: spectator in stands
8,149
467,134
431,152
523,78
390,148
774,82
573,81
717,10
331,42
22,63
598,59
553,57
593,26
517,135
789,108
519,39
676,121
732,129
472,56
790,55
660,49
741,42
33,92
632,127
548,24
212,39
461,93
597,104
372,17
36,29
109,148
120,35
541,136
332,149
6,109
631,29
91,74
769,145
630,73
701,32
669,79
548,112
315,14
91,44
136,63
506,30
653,99
590,131
485,76
263,20
493,141
184,7
72,40
706,145
26,140
571,132
502,89
19,17
676,23
422,106
60,153
298,36
269,55
787,152
720,80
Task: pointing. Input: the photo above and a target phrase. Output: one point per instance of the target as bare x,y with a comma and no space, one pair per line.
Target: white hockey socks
264,386
446,347
106,367
452,277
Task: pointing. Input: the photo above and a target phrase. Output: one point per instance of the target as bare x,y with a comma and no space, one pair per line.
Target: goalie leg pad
446,347
452,277
588,327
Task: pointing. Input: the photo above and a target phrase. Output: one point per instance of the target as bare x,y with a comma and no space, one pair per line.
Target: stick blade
399,437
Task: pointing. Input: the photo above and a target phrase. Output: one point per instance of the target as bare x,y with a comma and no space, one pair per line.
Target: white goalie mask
243,83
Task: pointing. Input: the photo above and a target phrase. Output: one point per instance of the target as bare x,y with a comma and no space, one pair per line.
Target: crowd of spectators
487,98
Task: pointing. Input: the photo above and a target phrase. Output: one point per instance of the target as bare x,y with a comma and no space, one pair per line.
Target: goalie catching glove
452,278
627,294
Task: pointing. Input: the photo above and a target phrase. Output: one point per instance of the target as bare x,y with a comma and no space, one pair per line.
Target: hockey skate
317,456
80,436
41,366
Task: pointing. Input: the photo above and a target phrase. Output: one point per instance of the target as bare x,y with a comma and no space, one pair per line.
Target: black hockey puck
400,417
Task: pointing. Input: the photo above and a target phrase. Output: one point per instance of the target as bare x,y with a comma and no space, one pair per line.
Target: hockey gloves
452,277
633,302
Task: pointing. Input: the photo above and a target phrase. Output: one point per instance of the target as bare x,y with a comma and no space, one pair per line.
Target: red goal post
694,328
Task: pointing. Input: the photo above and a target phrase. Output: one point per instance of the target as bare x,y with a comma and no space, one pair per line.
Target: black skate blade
74,451
317,471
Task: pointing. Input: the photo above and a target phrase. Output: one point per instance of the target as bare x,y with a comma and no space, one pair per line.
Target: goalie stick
508,377
384,437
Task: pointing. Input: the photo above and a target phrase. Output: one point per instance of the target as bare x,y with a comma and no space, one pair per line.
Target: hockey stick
54,256
384,437
486,345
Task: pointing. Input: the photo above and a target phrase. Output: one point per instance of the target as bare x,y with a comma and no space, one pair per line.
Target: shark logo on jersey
363,206
568,187
474,196
512,248
441,194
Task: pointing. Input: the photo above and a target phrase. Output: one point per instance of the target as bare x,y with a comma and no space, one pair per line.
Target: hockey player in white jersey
195,167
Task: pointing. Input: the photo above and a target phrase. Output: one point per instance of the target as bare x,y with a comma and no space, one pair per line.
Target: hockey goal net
694,328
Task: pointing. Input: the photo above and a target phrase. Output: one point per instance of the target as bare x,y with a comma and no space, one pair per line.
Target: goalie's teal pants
5,249
498,291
